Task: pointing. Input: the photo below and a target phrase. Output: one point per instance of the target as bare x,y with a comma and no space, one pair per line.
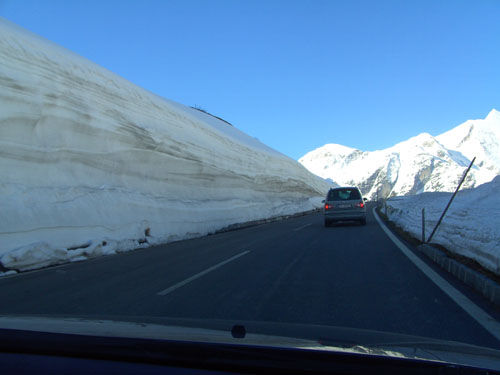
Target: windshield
176,162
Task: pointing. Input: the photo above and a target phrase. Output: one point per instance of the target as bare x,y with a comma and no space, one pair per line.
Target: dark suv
345,204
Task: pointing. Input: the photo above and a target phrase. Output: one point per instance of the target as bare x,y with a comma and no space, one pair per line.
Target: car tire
363,221
327,223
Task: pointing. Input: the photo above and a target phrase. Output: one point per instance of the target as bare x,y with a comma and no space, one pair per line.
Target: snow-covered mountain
92,164
479,138
422,163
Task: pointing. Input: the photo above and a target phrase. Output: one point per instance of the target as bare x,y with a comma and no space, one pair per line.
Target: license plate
344,206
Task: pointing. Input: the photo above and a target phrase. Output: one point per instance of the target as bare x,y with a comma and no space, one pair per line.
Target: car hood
299,336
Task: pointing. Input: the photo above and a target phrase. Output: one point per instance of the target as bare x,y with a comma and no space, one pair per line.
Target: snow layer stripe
478,314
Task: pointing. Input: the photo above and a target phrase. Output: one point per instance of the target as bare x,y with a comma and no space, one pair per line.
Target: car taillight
360,205
328,206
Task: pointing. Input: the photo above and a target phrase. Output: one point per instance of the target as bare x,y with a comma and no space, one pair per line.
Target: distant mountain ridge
421,163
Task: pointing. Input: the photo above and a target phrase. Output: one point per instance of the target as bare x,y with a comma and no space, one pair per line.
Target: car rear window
343,195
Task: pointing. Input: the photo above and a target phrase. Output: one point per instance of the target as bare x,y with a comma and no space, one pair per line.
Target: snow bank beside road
470,228
92,164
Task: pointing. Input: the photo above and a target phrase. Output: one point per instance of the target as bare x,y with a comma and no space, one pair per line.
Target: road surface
290,271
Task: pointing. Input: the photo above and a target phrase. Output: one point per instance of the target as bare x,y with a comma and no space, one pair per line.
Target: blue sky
295,74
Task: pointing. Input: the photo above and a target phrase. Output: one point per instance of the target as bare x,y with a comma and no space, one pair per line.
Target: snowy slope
479,138
91,164
470,227
422,163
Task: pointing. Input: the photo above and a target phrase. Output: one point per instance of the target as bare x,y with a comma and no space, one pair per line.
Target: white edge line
200,274
302,227
478,314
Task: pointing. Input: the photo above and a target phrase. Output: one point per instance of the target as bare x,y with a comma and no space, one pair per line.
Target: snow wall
470,227
91,164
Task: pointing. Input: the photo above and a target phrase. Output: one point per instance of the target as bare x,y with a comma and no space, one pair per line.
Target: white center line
478,314
200,274
302,227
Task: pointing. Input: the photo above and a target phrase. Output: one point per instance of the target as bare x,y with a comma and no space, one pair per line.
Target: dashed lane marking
200,274
302,227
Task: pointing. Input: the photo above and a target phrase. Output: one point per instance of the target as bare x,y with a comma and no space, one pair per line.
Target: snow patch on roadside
470,228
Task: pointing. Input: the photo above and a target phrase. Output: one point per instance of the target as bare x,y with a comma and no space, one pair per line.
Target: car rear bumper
351,215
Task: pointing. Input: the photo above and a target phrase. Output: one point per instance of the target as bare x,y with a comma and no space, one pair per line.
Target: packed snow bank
92,164
470,228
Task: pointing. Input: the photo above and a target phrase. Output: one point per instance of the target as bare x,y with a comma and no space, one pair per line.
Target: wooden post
423,225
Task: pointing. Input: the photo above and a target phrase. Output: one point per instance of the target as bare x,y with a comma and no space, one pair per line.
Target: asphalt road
291,271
